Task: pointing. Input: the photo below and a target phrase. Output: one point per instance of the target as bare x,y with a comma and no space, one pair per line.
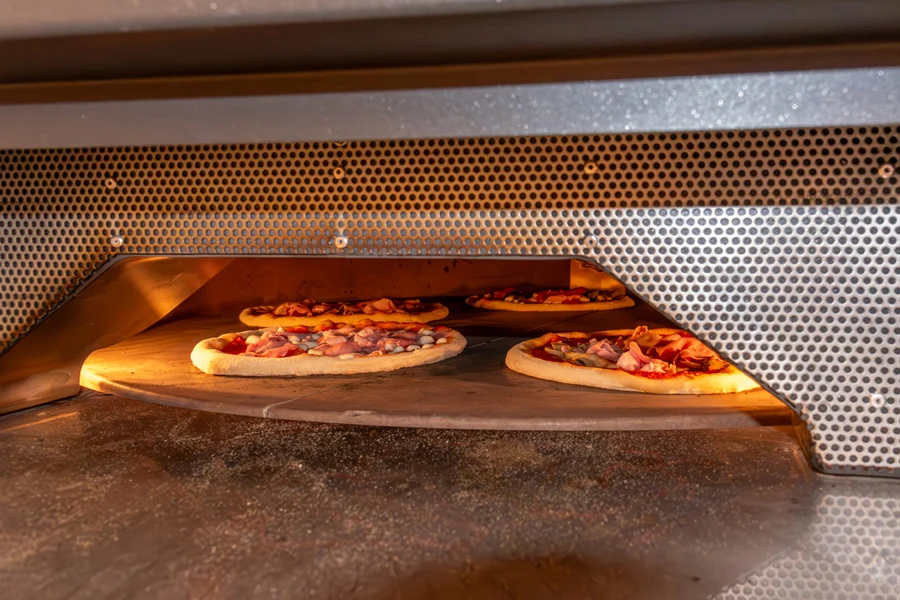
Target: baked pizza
310,312
327,349
656,361
575,299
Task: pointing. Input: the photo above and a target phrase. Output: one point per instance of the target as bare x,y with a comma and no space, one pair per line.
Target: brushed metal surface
105,496
848,97
129,296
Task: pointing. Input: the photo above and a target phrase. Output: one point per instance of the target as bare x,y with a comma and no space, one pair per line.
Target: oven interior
474,390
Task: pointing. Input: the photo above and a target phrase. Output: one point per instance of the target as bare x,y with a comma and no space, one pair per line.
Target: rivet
111,184
116,241
590,168
338,173
591,241
341,241
886,171
876,400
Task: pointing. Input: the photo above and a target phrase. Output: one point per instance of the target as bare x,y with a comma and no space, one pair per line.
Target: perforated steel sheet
852,550
778,247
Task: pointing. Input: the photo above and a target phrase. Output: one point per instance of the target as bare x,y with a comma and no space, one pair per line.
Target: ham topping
642,352
366,338
572,296
310,307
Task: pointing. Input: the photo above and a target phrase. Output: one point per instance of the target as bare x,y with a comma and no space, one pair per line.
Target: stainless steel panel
849,97
132,294
770,245
109,497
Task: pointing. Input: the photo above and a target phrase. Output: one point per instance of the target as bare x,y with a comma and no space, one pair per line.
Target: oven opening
472,390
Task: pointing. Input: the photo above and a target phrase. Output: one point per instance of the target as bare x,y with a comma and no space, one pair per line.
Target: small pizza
656,361
327,349
310,312
575,299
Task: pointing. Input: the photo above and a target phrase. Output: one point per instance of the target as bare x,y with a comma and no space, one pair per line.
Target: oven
741,190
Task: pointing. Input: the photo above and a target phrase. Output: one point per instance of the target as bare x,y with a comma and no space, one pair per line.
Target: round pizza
575,299
327,349
311,313
656,361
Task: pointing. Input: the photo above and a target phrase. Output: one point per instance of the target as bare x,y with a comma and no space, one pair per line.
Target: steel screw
116,241
338,173
591,241
876,400
111,184
591,168
886,171
341,241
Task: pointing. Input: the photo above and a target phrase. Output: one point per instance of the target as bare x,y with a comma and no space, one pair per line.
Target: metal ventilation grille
852,550
779,247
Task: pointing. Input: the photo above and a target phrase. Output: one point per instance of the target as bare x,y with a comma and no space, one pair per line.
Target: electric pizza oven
746,194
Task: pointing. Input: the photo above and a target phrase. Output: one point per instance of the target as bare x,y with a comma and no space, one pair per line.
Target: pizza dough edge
207,357
489,304
269,320
729,380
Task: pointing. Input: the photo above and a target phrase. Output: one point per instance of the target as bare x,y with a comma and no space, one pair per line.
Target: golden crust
519,359
207,357
268,319
489,304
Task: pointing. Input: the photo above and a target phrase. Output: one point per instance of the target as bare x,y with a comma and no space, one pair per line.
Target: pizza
327,349
656,361
575,299
310,312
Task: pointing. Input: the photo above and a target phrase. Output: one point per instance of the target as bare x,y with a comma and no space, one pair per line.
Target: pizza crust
727,381
489,304
268,319
207,357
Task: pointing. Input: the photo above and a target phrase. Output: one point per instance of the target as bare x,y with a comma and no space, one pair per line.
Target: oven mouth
147,315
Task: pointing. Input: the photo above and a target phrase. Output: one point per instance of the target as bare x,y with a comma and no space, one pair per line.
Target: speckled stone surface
102,497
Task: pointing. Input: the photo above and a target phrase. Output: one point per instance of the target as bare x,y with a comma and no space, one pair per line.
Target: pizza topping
340,340
311,307
644,353
578,295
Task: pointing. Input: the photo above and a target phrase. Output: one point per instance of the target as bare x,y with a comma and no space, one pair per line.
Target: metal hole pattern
778,247
851,550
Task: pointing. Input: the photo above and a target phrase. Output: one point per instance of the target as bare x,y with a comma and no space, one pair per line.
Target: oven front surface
107,497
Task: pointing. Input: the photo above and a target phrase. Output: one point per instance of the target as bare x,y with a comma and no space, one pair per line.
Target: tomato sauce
236,346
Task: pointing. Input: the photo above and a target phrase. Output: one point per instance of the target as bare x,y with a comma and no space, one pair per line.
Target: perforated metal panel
852,550
778,247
